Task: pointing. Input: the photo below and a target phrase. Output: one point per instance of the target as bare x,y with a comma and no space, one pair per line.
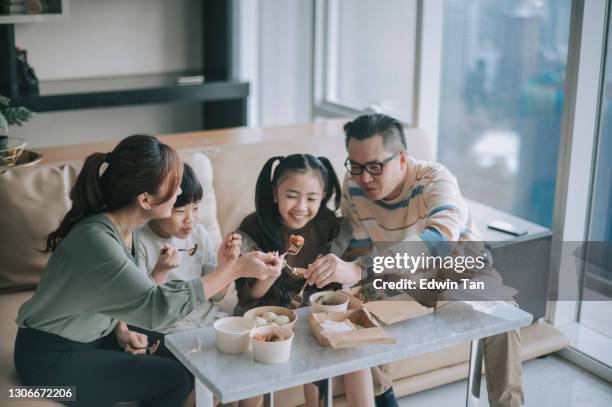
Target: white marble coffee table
235,377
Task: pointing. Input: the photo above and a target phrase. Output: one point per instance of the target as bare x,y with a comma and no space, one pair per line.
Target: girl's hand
259,265
332,269
169,258
230,248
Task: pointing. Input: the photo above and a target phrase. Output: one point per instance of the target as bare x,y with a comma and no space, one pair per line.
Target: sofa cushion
208,208
236,167
34,201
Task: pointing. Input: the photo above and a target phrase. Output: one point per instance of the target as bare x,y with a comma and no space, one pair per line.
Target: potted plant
11,147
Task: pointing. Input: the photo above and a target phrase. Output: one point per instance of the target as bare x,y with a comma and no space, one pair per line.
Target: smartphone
506,228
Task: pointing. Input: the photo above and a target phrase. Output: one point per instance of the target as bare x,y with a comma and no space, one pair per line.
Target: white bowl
233,334
272,352
340,301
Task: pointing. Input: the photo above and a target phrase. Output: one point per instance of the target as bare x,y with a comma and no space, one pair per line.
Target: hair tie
104,165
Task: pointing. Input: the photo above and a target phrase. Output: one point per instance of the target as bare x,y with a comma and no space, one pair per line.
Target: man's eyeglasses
372,168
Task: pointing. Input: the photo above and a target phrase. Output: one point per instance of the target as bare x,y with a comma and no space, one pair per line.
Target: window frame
427,69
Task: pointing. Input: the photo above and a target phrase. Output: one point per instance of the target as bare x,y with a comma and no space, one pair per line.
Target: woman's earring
148,208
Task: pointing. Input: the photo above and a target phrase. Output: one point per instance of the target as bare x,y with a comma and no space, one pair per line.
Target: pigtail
333,184
266,209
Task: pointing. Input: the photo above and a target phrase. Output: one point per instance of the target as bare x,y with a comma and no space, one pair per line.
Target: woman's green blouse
91,281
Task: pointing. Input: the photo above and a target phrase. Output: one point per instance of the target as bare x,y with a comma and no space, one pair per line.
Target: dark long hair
138,164
268,216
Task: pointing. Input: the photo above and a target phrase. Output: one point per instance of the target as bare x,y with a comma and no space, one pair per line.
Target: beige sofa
34,199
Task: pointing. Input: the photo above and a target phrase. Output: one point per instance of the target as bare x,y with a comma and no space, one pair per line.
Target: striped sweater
430,211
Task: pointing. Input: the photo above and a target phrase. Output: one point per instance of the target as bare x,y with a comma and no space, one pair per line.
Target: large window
369,55
498,120
502,101
596,307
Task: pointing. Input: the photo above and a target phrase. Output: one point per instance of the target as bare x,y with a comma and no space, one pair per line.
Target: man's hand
332,269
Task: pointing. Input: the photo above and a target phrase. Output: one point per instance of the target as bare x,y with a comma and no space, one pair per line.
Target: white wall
112,38
285,61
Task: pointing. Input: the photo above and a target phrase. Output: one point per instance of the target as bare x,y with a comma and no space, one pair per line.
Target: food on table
282,320
271,319
340,326
259,321
271,337
295,244
322,301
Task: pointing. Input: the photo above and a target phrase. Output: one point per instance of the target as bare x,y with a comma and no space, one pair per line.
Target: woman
68,333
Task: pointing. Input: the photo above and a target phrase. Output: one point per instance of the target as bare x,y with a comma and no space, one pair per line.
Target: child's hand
169,258
230,248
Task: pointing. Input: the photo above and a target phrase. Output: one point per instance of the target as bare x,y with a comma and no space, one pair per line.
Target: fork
297,299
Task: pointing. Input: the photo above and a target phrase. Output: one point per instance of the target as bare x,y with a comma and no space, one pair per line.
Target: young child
292,199
179,248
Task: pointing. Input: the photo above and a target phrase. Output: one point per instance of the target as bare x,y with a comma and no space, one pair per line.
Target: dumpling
270,316
272,324
282,320
259,321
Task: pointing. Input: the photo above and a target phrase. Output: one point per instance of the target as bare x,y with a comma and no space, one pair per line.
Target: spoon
191,251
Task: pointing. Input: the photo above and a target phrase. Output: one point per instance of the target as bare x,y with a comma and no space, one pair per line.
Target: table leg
204,397
475,373
330,393
269,399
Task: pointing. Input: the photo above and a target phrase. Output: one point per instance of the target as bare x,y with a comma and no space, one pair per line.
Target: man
389,196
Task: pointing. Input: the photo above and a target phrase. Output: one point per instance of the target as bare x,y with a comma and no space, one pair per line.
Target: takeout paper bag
371,334
396,309
391,310
426,298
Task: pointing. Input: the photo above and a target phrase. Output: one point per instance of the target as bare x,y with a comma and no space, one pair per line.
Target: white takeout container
259,311
232,334
272,352
341,299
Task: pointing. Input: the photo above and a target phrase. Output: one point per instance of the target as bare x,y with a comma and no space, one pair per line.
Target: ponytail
138,164
86,197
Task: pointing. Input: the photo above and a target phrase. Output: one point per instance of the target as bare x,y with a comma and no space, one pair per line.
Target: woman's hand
230,248
259,265
169,258
133,342
332,269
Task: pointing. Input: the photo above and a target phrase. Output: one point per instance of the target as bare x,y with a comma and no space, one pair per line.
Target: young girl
160,241
292,199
